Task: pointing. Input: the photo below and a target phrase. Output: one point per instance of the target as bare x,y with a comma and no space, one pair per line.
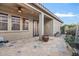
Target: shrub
70,39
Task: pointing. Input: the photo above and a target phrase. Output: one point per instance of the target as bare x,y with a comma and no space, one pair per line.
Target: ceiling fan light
19,9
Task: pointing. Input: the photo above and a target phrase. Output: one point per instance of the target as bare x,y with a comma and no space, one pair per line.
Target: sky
68,12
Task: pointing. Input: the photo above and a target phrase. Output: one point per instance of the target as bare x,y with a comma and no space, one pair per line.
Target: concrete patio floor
56,46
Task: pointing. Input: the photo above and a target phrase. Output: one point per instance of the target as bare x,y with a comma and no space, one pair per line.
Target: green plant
70,39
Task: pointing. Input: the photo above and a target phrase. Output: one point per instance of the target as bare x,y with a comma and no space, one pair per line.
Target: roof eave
44,8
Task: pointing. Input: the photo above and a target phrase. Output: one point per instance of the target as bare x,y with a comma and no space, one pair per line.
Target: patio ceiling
26,11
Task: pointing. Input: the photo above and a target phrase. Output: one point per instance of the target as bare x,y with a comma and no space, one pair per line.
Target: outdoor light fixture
19,9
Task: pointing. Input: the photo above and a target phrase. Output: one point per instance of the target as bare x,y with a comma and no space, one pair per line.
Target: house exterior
26,20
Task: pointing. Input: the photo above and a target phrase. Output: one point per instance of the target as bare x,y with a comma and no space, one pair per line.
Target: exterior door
35,28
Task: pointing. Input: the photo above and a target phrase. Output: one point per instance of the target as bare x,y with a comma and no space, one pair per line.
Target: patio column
21,24
9,22
41,25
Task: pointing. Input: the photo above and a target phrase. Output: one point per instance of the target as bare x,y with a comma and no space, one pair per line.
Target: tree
69,29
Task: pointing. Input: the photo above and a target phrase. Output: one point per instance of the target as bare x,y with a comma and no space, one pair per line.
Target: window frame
10,15
12,24
4,21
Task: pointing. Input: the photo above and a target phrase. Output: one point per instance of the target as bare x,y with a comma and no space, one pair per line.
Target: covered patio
32,21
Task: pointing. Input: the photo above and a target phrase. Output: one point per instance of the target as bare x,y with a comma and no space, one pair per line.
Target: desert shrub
70,39
71,32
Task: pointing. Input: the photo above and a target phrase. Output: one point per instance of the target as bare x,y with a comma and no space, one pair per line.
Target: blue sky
68,12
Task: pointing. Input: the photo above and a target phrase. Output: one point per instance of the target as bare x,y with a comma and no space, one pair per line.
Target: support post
21,24
41,25
9,23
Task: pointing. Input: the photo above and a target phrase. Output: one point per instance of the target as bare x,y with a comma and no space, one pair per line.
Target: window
15,23
25,24
3,21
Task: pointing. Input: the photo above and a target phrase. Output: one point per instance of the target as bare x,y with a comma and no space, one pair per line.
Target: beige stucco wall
52,26
56,26
48,27
14,35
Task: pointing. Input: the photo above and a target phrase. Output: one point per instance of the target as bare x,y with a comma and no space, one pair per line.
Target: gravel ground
33,47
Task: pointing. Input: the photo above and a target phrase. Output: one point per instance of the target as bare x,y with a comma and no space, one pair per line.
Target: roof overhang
47,11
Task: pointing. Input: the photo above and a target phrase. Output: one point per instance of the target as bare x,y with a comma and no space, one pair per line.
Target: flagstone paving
56,46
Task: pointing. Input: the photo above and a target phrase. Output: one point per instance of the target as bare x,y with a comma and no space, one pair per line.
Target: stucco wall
56,26
48,27
52,26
